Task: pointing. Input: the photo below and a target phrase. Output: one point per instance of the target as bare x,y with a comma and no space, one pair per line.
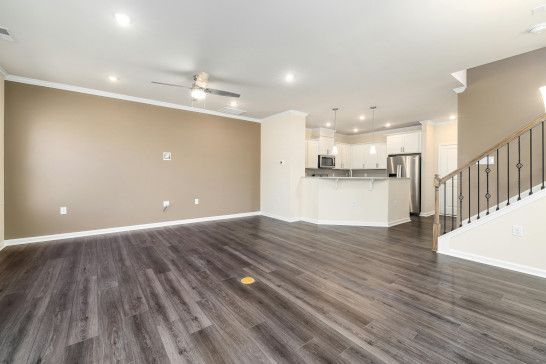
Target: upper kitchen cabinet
343,157
312,152
362,158
404,143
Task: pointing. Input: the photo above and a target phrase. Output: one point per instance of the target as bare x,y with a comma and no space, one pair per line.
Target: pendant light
373,150
334,148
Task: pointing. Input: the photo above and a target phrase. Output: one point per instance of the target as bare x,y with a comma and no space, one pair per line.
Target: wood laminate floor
322,294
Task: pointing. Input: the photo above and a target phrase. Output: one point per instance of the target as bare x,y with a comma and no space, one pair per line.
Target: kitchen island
355,201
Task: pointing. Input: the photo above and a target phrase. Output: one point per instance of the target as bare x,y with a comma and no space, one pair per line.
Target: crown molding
89,91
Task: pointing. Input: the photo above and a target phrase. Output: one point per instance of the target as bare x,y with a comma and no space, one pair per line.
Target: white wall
282,140
1,160
490,240
434,135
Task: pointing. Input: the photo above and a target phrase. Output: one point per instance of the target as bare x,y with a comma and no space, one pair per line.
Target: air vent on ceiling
231,110
4,34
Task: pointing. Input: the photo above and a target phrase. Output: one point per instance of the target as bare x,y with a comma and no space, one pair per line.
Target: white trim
279,217
36,239
493,213
356,223
62,86
427,213
495,262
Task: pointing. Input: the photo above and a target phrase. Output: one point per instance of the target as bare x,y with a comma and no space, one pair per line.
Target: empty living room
272,182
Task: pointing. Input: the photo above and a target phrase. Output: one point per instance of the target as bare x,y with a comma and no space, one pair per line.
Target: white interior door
447,163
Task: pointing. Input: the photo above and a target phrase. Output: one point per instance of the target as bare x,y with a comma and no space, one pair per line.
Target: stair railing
486,182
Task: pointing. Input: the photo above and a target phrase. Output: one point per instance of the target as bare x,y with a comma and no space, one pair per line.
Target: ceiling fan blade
221,93
171,84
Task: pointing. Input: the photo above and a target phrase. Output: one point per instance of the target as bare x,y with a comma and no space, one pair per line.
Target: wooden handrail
508,139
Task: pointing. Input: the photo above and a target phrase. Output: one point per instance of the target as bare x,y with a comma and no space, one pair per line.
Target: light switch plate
63,210
167,156
517,230
196,201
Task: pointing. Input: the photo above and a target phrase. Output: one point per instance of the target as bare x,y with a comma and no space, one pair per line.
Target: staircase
503,175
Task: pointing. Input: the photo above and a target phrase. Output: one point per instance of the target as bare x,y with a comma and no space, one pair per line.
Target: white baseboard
494,262
279,217
427,213
77,234
356,223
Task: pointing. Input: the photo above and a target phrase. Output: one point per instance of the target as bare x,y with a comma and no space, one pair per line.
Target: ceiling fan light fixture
198,93
537,29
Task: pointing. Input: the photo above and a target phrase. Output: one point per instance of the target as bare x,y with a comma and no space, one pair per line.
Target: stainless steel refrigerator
408,165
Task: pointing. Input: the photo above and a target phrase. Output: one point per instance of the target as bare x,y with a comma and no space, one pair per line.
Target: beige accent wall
500,97
102,158
2,82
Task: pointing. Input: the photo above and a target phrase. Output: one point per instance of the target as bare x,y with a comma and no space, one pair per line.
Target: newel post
436,225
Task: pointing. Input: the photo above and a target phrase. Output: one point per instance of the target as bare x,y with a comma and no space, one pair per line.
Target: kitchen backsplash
309,172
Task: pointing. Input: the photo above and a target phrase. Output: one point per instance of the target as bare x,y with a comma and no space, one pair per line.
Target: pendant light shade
373,149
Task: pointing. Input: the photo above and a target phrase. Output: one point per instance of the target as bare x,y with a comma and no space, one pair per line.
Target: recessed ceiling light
112,78
362,117
233,103
123,19
355,130
328,124
452,117
289,77
539,28
387,125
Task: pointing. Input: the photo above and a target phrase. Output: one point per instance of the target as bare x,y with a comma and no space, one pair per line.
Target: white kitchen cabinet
404,143
312,152
412,142
381,155
343,159
362,158
358,152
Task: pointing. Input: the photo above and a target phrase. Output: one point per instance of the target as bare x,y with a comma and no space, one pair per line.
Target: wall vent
231,110
4,34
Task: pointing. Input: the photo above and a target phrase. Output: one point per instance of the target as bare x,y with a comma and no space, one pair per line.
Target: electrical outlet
517,230
63,210
167,156
166,204
196,201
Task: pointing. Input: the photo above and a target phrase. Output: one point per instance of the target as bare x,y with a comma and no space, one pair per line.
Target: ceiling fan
199,89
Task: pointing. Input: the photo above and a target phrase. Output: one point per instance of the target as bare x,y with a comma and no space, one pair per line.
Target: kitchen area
361,180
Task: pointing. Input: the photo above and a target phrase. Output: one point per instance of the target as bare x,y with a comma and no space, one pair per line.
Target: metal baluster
478,190
445,205
469,212
530,161
498,172
487,194
461,197
542,137
452,205
518,166
507,173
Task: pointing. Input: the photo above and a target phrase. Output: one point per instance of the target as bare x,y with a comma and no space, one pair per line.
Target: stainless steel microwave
326,161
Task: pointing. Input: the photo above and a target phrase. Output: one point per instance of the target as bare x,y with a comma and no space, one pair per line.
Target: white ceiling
396,54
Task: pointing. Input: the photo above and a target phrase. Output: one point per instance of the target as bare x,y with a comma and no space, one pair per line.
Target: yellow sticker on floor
247,280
